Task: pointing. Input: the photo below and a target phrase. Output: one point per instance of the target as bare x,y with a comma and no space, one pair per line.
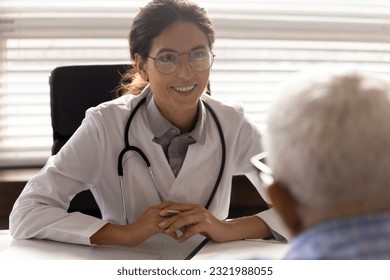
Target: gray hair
328,139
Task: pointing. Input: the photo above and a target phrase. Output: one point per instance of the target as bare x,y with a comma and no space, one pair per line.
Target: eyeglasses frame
180,61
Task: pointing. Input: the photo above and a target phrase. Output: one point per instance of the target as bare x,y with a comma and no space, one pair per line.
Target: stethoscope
128,147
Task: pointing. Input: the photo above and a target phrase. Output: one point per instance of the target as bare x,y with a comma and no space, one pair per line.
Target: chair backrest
74,89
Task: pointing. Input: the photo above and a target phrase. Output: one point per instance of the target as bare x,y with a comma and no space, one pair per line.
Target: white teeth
184,89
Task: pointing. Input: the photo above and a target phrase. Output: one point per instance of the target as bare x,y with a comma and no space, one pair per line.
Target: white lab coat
89,161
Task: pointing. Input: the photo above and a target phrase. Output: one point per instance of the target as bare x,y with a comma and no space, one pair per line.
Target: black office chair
74,89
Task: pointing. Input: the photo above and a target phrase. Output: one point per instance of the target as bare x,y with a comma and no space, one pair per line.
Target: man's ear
140,66
286,207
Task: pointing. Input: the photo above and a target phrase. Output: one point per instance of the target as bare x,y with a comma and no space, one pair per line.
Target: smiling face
177,92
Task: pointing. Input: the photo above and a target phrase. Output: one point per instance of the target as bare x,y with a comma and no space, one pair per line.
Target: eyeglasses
168,62
265,174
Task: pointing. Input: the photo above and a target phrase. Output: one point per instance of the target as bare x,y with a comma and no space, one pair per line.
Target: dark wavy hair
149,23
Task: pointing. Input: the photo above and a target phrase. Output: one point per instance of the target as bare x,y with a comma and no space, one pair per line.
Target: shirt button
174,171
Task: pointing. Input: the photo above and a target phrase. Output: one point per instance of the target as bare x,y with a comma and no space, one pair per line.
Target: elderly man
328,145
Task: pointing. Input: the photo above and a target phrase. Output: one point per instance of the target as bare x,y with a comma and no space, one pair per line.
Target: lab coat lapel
197,175
162,170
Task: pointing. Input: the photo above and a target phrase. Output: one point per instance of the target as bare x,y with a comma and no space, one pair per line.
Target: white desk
154,249
242,250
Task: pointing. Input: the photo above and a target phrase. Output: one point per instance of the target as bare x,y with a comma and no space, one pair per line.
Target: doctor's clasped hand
137,232
195,219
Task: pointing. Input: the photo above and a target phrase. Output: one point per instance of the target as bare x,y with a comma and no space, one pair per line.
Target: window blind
259,44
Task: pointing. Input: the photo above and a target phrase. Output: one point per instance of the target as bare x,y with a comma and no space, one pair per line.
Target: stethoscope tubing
223,159
128,147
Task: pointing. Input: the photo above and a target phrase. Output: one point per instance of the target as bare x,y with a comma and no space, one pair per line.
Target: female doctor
193,143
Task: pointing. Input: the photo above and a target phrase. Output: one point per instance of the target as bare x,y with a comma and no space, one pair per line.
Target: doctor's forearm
248,227
109,234
112,234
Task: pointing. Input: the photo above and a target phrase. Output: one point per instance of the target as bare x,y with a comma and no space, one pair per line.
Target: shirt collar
160,125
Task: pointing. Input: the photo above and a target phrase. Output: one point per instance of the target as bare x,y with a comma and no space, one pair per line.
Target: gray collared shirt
173,143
